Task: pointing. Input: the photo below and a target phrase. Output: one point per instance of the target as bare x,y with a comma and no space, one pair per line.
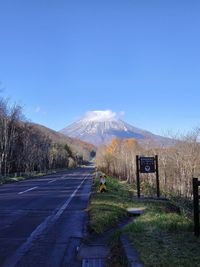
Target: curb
130,252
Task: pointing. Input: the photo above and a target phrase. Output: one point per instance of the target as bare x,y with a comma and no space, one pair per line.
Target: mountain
78,146
99,127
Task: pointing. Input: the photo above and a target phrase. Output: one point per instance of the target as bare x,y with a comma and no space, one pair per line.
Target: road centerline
51,181
57,179
30,189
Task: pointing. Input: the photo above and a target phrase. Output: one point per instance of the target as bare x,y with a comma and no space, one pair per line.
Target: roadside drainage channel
95,252
128,248
93,263
93,255
131,254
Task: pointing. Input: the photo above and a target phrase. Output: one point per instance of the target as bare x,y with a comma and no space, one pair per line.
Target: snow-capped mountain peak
99,127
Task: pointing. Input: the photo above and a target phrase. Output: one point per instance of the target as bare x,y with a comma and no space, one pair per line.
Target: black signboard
147,164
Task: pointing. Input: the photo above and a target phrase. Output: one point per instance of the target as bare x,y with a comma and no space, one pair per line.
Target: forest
178,162
25,148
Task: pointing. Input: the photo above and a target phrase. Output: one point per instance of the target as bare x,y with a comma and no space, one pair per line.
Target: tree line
24,148
178,162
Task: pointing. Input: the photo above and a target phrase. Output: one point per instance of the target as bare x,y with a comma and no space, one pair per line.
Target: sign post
138,176
147,165
157,177
196,197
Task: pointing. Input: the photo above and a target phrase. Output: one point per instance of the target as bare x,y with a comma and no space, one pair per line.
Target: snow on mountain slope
99,127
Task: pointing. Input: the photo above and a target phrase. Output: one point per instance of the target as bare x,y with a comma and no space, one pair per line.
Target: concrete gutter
93,255
93,263
130,252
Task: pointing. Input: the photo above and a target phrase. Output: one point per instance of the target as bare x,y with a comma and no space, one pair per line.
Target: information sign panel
147,164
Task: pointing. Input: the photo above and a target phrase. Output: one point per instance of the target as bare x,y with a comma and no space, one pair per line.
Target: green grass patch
185,204
163,235
6,180
106,209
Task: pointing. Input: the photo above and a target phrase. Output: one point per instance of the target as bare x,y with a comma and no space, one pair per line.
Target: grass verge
163,235
106,209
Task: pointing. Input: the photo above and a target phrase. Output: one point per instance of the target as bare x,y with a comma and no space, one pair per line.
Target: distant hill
99,127
77,146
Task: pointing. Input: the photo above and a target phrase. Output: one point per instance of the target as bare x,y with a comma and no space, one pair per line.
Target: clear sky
62,58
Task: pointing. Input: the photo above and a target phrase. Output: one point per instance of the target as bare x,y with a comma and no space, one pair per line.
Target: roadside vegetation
178,162
163,235
26,149
106,209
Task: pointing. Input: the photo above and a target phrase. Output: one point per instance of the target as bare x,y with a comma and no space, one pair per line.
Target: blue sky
62,58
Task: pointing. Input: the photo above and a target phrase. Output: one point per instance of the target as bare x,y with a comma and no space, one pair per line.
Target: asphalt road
42,220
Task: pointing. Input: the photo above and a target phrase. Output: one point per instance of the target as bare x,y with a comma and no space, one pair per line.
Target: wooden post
138,176
196,206
157,177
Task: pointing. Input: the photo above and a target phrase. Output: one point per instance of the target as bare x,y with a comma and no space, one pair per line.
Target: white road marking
30,189
49,221
52,181
64,206
64,176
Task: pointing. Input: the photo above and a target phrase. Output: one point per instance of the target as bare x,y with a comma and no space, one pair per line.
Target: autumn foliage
178,163
117,157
